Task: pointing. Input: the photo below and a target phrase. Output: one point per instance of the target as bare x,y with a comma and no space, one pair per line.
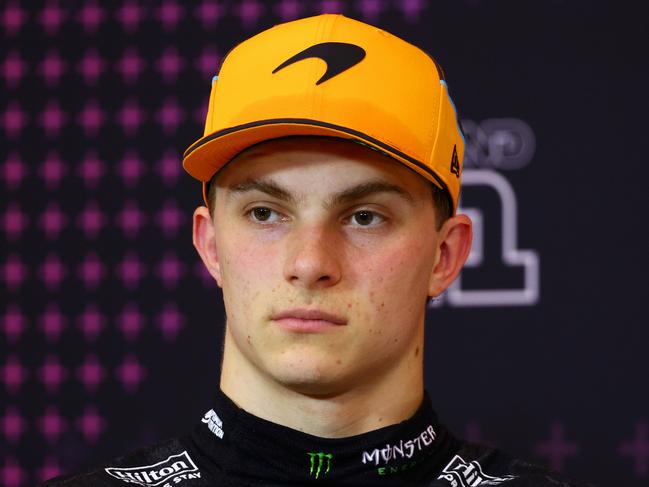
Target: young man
331,167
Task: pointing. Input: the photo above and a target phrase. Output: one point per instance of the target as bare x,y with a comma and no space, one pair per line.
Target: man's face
328,225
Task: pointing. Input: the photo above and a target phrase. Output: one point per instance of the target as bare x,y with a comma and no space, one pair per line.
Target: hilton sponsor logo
173,470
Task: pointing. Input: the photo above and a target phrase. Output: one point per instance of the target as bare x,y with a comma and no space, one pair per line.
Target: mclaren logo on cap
339,57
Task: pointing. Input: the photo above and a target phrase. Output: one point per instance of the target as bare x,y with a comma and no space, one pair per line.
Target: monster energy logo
317,461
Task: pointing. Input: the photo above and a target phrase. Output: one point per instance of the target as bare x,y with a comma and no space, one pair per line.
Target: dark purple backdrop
111,330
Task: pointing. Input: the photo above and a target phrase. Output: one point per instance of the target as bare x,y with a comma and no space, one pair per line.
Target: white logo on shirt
403,449
460,473
213,422
176,468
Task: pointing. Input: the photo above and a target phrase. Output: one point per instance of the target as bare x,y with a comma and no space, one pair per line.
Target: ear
204,239
453,249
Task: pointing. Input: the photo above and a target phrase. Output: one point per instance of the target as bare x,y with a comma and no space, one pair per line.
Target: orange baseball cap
330,75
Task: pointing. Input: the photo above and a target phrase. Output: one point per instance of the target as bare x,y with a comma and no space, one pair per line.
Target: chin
307,378
314,389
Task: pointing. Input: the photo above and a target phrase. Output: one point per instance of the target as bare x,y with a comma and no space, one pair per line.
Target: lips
301,319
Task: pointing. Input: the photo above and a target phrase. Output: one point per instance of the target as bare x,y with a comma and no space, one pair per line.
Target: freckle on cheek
249,340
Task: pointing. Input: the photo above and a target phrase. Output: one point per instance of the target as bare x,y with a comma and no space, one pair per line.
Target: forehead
318,160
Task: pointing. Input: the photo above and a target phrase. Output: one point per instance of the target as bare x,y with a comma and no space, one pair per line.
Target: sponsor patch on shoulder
173,470
460,473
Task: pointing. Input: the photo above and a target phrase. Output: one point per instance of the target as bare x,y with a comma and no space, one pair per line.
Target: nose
313,257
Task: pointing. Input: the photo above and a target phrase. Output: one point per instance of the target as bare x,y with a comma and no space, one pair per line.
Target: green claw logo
321,457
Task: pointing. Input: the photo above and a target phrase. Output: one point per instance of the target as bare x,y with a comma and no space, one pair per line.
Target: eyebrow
353,193
267,186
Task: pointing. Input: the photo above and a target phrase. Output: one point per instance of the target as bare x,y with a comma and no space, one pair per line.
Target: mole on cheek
249,340
416,351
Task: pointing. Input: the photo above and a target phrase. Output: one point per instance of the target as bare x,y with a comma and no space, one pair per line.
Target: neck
389,397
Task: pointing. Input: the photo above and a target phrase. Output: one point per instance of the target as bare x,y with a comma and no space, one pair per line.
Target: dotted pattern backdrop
99,278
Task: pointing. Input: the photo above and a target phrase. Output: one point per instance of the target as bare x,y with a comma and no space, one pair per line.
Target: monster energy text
318,461
404,449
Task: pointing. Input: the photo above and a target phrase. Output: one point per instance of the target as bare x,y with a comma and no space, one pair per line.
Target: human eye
263,215
367,218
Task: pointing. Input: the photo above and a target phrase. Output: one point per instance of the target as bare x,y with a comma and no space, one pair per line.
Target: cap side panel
432,156
450,150
210,109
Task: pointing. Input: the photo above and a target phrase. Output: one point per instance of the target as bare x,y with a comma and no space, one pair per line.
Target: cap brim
210,153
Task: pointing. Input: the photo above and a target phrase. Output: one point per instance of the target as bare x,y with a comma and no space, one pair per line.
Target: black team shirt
230,447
